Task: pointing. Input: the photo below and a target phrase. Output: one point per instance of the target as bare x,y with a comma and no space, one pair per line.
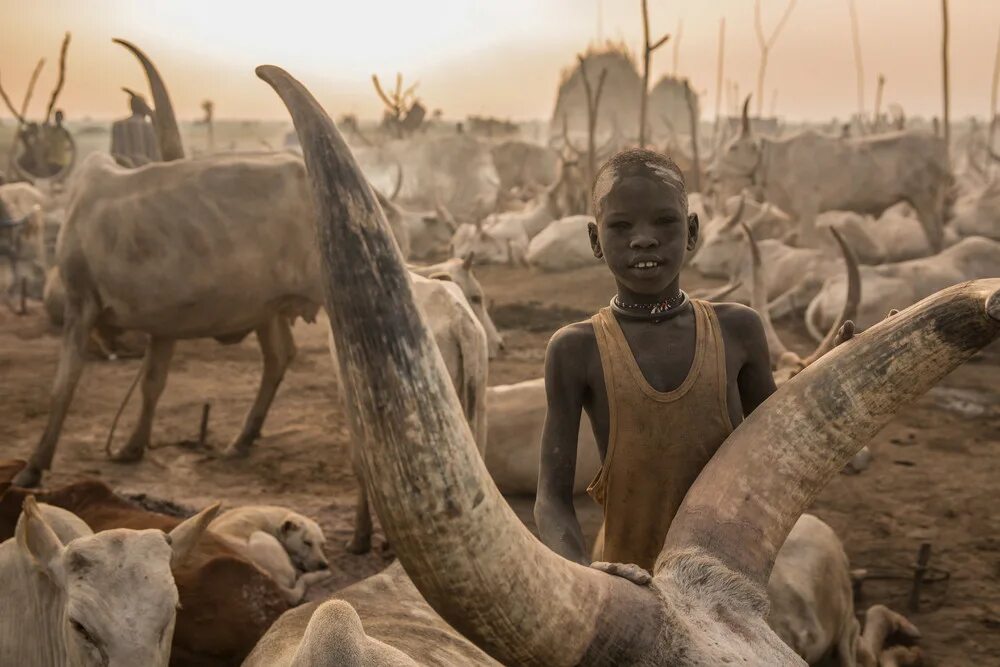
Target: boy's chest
663,352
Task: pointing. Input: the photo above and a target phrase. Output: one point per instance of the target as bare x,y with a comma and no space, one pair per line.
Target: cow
226,601
807,173
514,436
978,213
894,236
73,596
285,544
563,245
459,271
482,570
216,247
721,241
385,619
897,286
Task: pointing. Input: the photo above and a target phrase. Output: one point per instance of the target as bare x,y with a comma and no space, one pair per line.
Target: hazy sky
495,57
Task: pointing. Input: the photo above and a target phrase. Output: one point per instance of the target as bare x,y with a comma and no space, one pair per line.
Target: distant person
133,139
58,153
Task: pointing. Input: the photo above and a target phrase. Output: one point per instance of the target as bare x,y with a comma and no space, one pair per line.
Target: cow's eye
475,299
307,543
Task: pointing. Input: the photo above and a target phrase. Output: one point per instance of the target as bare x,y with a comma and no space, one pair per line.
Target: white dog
287,546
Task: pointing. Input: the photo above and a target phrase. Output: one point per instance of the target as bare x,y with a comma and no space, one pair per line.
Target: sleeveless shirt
658,441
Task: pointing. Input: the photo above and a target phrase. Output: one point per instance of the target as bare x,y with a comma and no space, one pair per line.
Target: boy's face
643,231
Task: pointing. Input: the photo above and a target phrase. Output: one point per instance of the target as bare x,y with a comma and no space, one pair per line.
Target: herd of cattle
222,246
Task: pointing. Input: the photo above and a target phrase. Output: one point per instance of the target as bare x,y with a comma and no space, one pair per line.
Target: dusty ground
934,477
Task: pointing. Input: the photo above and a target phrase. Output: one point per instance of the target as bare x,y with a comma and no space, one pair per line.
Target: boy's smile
643,232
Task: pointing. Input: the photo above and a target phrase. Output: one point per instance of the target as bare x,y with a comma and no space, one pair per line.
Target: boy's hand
629,571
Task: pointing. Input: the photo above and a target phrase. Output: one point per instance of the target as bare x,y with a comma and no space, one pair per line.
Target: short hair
637,162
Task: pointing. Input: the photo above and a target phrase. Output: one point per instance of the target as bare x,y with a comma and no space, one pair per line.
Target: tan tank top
658,442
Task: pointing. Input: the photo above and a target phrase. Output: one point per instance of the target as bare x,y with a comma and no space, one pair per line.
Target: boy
664,379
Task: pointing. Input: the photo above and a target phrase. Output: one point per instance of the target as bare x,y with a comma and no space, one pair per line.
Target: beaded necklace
654,312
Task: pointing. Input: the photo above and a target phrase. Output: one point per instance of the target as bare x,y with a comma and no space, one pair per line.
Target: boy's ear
595,241
693,226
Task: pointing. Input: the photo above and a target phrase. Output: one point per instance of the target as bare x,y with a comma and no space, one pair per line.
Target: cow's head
736,164
303,540
114,590
472,559
500,238
459,271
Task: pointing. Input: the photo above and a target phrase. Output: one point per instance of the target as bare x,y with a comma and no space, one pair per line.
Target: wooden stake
993,97
718,80
203,429
923,558
858,64
944,75
765,45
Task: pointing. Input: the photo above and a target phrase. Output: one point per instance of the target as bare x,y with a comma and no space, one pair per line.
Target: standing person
58,146
663,378
133,139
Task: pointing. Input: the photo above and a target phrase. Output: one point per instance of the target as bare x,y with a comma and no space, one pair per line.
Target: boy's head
643,228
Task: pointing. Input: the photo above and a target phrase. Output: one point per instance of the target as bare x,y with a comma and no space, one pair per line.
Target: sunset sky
500,57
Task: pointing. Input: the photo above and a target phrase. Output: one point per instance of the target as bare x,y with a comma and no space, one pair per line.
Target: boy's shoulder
573,338
737,319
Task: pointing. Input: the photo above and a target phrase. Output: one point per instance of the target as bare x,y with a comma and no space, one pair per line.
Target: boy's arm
565,385
755,381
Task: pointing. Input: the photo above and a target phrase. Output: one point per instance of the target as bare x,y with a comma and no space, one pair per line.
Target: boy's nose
641,242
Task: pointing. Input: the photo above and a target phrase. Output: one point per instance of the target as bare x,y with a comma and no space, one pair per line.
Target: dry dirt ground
934,477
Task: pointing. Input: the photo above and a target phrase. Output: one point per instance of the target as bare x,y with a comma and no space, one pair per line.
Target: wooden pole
718,80
944,75
858,63
647,53
765,44
993,97
692,105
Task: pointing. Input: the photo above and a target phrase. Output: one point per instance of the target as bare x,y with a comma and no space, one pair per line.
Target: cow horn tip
993,305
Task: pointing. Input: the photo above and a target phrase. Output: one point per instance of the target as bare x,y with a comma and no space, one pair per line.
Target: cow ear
469,258
40,541
440,275
185,536
288,525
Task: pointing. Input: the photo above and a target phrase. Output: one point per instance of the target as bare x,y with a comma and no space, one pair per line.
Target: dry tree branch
647,53
10,106
994,119
677,45
944,77
62,77
765,46
593,102
31,87
718,79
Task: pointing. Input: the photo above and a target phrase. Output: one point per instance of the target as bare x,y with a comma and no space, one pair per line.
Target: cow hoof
359,545
237,450
128,454
28,478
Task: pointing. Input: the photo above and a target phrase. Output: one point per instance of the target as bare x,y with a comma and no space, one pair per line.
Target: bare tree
765,47
944,75
404,112
718,79
647,52
858,63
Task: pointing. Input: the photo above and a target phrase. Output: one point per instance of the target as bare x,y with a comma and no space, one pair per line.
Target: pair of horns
466,551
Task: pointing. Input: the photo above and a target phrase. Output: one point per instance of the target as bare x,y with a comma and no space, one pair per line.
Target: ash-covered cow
809,173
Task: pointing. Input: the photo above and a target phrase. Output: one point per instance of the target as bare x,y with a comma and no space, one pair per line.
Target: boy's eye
618,224
664,221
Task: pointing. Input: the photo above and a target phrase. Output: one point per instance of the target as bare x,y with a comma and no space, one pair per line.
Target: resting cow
75,597
483,571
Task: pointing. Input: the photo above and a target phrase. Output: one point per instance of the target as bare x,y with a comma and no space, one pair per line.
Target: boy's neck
628,296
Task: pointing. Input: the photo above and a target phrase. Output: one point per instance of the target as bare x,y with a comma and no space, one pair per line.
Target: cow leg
278,349
155,366
79,321
928,212
361,542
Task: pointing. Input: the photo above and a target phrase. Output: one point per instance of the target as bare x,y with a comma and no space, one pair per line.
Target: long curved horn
746,117
769,470
466,551
735,217
168,134
850,309
758,299
399,181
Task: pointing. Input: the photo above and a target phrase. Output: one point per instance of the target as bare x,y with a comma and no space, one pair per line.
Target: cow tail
121,408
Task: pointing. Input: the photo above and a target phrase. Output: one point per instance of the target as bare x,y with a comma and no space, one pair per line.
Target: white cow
516,417
72,597
978,213
720,240
894,236
899,285
459,271
563,245
284,544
